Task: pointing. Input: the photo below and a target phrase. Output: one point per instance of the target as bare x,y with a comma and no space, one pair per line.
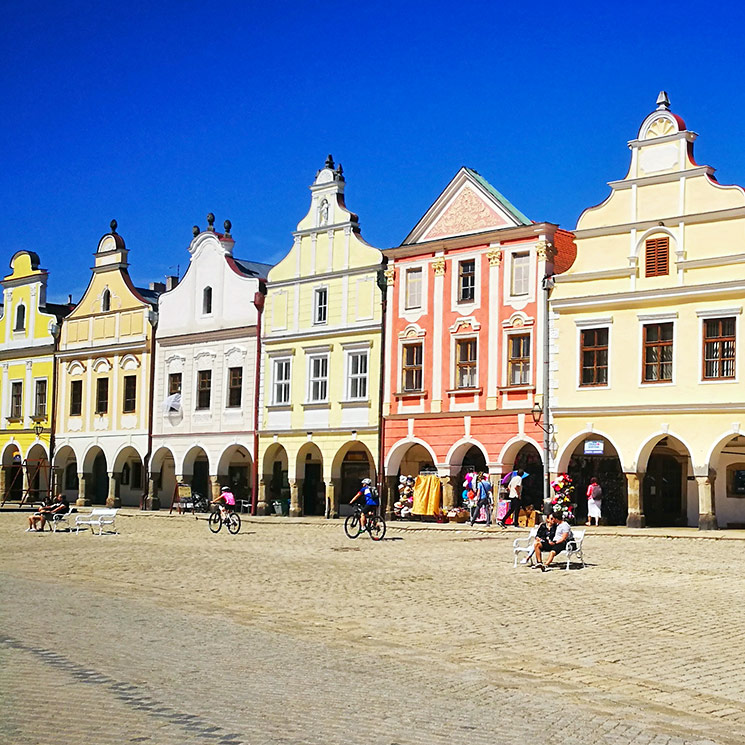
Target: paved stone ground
291,633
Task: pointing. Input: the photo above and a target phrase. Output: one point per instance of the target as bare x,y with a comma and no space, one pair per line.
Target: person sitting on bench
553,546
45,512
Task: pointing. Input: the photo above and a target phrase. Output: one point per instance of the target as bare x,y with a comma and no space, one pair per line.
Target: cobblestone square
291,633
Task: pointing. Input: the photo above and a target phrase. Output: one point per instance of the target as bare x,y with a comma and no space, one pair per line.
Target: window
130,393
204,388
465,363
520,274
235,386
467,281
106,301
40,399
412,370
20,318
76,397
318,378
174,383
658,353
281,381
320,305
207,301
102,395
16,400
518,360
719,348
656,257
594,357
413,288
357,376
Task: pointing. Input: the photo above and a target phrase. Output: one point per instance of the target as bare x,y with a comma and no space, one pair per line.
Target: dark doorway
238,481
530,461
313,501
473,462
663,491
100,480
354,468
14,480
606,469
200,481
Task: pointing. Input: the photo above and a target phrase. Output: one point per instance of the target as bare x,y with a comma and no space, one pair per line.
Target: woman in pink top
226,499
594,500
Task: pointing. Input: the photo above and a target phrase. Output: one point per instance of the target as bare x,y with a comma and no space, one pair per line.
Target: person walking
516,490
594,502
483,499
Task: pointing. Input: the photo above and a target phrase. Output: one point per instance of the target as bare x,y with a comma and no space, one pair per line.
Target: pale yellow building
648,375
321,363
104,366
29,327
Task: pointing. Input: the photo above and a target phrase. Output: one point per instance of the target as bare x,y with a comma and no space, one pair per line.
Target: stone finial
227,225
113,225
196,231
339,173
211,222
663,102
330,162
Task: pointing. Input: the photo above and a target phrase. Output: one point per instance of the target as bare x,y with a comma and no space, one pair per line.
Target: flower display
563,499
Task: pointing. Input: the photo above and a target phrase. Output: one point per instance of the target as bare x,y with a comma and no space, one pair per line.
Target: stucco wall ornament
545,250
494,256
439,267
390,275
467,214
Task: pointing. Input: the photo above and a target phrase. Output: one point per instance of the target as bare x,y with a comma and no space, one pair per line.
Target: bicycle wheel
352,526
376,527
234,523
215,522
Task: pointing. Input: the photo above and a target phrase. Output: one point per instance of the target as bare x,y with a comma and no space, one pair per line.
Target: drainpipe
146,465
547,283
56,333
382,484
259,303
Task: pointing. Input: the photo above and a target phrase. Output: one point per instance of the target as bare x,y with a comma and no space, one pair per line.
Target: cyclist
224,500
371,501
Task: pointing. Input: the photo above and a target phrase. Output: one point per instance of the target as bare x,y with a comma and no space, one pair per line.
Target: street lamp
38,429
537,412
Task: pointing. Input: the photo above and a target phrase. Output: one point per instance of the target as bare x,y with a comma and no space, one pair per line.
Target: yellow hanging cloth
426,495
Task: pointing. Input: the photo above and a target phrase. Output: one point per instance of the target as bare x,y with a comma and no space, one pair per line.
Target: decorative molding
719,312
75,367
129,362
438,265
390,275
518,320
545,250
494,256
101,365
469,321
412,331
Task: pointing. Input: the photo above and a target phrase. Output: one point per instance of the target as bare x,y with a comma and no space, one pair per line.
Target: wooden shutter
656,257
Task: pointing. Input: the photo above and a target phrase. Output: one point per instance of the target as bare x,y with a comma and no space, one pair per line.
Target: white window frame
454,357
321,379
514,256
593,323
11,412
317,305
653,318
520,331
276,361
407,272
46,398
404,345
14,318
352,376
707,315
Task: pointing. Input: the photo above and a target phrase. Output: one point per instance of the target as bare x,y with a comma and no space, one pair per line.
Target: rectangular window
76,397
465,363
656,257
413,288
658,353
520,274
235,386
357,376
594,357
719,348
318,379
174,383
282,381
518,361
40,399
16,400
102,395
320,305
467,281
412,378
204,388
130,394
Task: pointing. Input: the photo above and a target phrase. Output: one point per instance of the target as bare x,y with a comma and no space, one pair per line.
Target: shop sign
594,447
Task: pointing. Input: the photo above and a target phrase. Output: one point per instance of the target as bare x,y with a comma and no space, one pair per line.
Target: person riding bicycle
371,501
225,499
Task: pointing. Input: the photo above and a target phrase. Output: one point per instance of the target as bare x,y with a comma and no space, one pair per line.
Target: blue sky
157,113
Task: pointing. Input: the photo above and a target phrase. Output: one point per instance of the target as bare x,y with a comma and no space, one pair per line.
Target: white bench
55,520
97,517
525,545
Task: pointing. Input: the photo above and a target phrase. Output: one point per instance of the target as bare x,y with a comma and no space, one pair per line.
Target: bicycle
374,525
227,517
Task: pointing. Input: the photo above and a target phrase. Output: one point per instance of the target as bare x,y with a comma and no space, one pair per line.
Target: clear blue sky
157,113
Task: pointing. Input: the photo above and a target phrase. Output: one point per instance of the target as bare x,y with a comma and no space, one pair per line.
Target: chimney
171,282
157,287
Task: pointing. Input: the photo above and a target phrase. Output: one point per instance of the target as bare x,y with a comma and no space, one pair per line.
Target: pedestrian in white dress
594,502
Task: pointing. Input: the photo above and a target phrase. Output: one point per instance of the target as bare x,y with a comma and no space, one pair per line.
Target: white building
205,372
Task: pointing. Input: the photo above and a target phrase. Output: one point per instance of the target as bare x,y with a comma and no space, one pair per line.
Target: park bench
525,546
96,518
59,517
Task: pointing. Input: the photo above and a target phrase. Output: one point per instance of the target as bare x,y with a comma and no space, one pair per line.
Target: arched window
106,301
20,318
207,301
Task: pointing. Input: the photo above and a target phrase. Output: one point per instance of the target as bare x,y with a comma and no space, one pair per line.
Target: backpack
374,494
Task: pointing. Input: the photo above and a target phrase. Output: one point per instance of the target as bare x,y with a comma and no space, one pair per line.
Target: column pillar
113,499
3,482
707,518
152,501
296,508
214,487
83,499
262,506
635,517
58,481
391,496
332,499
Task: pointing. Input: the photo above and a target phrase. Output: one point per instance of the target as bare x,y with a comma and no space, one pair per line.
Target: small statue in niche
323,213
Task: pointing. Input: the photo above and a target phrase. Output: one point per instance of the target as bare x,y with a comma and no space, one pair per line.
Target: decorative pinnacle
340,171
663,102
227,225
113,225
330,162
210,222
196,231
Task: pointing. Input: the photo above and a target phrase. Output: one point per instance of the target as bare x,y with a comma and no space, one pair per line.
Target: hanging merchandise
427,495
403,506
562,501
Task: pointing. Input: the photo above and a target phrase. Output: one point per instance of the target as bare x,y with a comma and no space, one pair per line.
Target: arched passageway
665,485
275,482
310,484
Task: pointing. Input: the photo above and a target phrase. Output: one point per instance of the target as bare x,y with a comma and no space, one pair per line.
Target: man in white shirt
562,535
516,490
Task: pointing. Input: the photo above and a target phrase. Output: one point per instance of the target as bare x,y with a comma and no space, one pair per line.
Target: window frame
517,360
207,297
204,390
413,367
353,377
470,366
232,388
171,380
38,412
594,349
321,379
528,262
721,339
76,402
129,398
461,299
20,311
102,381
318,306
654,260
661,345
408,272
16,399
281,384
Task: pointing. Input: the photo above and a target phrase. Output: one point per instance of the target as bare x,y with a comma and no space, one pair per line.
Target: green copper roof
514,211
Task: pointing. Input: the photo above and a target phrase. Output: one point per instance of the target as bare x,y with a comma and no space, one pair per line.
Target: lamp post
547,283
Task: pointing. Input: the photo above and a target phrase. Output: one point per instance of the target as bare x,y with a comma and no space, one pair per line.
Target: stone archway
309,482
234,469
66,473
529,459
196,471
352,463
665,498
12,474
128,479
94,485
274,486
38,473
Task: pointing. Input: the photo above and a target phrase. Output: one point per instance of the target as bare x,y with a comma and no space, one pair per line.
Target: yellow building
103,411
29,327
649,390
321,360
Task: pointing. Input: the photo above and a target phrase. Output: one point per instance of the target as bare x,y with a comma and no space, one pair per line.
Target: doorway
663,491
312,500
200,481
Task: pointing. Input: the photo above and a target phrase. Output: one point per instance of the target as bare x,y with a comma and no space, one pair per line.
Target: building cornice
28,353
240,332
351,272
661,178
595,411
111,349
275,338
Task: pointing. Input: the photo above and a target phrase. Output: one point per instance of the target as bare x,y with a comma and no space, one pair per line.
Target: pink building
464,338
